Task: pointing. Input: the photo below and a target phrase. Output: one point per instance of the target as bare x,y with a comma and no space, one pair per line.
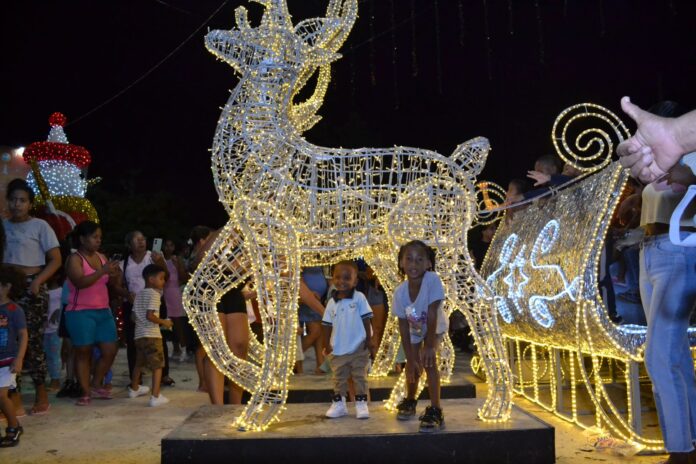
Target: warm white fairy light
291,202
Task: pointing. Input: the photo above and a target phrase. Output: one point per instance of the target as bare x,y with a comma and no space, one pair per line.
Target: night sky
425,76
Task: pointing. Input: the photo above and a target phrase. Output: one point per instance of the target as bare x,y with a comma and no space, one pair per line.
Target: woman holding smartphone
88,318
132,266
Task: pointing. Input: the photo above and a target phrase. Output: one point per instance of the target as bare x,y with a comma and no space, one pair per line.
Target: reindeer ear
240,14
316,32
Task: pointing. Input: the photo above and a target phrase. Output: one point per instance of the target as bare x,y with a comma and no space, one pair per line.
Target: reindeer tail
471,155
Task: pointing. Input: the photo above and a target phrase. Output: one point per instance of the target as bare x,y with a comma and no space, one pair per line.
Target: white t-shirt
346,317
148,299
134,272
26,243
416,312
658,206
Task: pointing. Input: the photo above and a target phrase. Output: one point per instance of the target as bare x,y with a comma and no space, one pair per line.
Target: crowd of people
61,303
73,294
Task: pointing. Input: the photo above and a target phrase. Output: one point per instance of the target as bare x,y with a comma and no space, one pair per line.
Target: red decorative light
43,151
57,119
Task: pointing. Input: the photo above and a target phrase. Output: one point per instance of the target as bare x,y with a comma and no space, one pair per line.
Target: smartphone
157,245
117,257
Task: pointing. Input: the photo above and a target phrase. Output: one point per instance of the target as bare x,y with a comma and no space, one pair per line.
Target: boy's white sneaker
361,410
142,390
337,408
158,400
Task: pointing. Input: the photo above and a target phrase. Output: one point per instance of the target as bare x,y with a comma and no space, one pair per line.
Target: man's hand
653,149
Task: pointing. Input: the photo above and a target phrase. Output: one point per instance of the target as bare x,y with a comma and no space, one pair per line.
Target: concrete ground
124,430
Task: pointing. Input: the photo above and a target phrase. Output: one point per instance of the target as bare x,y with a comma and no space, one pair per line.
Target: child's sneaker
431,420
142,390
158,400
406,409
361,410
338,407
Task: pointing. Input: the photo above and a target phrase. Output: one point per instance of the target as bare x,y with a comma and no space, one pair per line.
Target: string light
566,235
62,178
293,202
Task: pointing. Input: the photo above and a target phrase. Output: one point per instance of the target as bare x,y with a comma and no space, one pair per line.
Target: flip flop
39,412
101,394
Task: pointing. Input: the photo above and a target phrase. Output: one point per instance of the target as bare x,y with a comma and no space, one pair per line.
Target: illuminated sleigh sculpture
295,204
542,267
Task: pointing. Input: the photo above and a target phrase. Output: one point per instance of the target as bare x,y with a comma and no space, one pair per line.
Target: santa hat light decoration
58,176
62,165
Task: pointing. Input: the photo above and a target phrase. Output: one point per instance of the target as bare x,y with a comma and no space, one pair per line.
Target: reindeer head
279,52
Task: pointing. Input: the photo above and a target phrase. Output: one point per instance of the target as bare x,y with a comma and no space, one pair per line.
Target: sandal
168,381
12,436
40,410
101,394
84,401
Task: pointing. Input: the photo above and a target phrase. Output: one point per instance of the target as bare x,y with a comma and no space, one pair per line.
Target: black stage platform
310,388
304,433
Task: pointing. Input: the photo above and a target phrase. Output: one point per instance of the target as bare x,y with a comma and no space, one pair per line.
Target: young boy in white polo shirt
347,332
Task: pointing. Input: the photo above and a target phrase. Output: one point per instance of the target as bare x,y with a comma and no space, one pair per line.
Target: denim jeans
52,343
668,291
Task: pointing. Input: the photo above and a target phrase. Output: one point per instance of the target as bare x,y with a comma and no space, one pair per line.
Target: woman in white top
132,266
32,248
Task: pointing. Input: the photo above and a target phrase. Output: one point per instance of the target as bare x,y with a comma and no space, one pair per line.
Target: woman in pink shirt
173,297
88,319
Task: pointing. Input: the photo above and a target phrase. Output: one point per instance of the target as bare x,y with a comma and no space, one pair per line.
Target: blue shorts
90,326
306,314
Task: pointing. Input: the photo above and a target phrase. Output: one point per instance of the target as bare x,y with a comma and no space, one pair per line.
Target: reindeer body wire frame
293,204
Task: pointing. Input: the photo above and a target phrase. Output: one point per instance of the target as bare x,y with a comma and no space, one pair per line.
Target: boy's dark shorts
149,353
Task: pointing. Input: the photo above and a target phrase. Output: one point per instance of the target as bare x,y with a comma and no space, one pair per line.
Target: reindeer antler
276,13
327,35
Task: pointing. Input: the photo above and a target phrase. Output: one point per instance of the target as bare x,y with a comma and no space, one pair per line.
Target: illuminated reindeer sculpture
295,204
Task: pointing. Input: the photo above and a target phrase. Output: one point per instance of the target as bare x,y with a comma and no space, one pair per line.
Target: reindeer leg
388,276
483,321
273,248
224,266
